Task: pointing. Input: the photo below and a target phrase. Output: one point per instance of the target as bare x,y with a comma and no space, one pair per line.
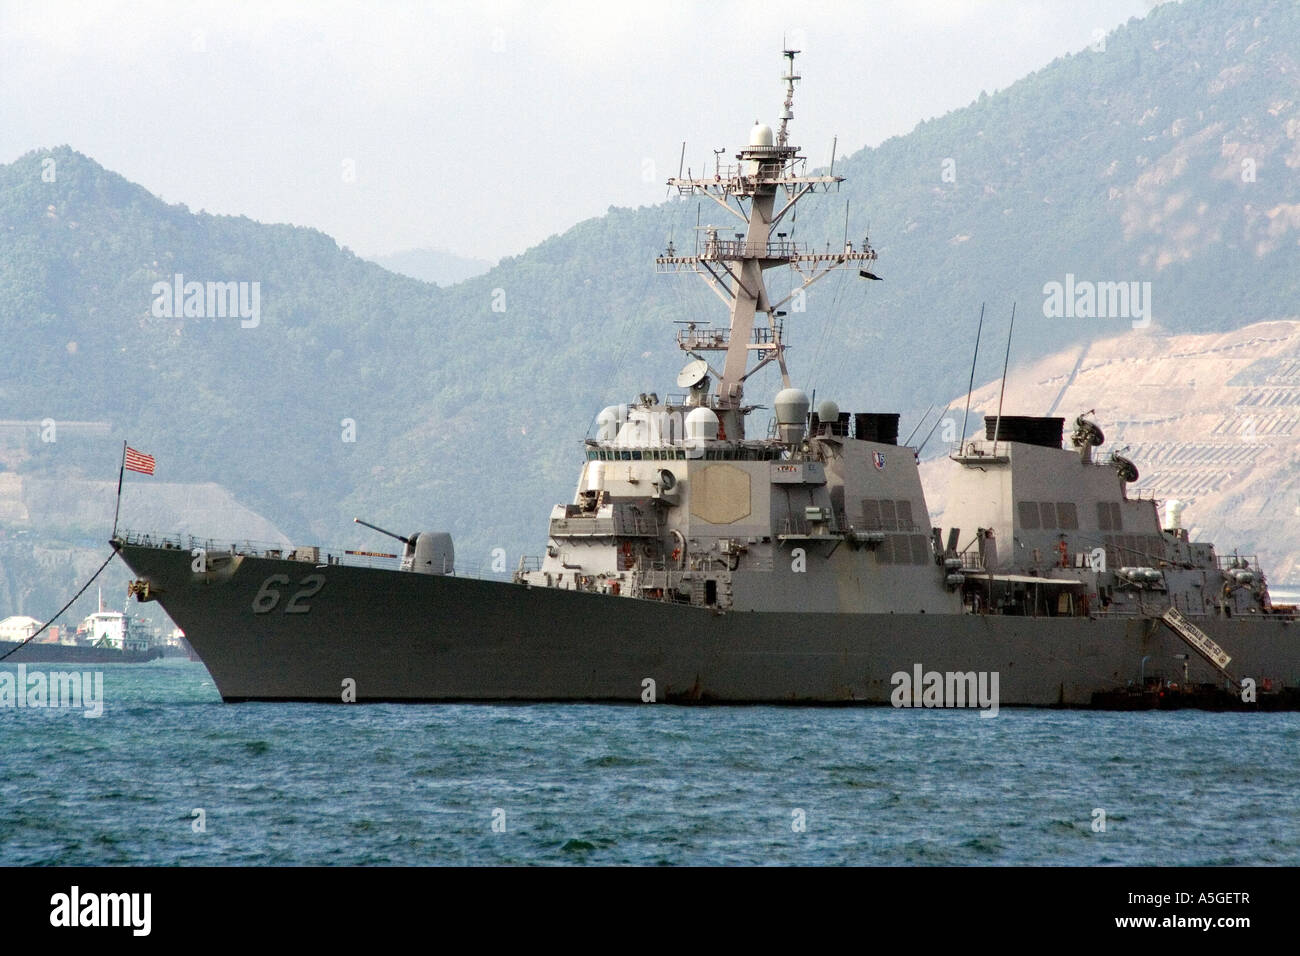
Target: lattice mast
768,169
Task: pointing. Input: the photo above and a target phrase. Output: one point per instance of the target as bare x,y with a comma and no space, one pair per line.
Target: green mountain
1169,157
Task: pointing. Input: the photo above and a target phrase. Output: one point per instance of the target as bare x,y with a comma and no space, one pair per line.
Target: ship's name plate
798,473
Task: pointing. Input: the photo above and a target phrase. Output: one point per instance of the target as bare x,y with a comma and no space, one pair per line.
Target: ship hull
37,653
274,629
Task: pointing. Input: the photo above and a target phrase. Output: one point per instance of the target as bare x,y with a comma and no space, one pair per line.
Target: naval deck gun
425,552
796,565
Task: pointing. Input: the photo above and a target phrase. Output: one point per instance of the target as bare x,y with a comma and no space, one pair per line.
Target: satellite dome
701,424
761,135
828,411
791,406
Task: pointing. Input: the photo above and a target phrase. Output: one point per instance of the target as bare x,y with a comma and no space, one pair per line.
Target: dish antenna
694,376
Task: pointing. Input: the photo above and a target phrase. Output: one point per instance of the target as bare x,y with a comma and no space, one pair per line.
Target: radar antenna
787,108
767,168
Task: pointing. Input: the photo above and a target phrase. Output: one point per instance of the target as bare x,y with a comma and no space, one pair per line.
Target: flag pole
117,507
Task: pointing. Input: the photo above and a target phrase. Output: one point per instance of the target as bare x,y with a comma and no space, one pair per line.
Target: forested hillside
1170,157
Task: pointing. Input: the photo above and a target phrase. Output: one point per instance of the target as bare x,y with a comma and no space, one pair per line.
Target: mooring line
62,609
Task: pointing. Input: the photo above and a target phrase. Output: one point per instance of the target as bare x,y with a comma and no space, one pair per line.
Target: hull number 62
268,595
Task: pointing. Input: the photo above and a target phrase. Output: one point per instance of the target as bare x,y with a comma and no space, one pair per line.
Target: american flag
139,461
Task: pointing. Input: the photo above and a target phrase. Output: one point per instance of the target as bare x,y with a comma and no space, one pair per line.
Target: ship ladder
1200,642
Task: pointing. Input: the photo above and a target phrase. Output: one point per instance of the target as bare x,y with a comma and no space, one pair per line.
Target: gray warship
704,561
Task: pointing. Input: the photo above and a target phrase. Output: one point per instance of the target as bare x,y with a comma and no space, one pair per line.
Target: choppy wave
288,784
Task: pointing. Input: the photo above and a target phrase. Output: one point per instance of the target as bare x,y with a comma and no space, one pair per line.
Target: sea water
171,775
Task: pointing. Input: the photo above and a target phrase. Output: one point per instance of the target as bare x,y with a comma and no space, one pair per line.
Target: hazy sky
485,127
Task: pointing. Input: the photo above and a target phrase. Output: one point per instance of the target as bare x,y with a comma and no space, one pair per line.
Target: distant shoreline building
18,628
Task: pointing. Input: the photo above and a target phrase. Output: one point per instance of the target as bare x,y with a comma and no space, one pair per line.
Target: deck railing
314,554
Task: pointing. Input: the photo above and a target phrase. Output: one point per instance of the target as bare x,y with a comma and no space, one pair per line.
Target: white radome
791,406
701,424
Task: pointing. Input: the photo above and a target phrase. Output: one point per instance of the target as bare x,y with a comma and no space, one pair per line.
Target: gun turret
375,527
427,552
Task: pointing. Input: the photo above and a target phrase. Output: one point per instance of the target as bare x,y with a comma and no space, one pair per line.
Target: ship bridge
677,503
